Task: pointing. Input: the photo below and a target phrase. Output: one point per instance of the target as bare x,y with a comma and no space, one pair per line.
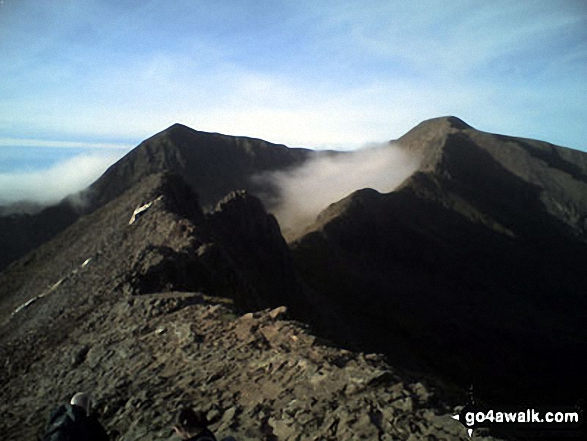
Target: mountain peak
435,128
177,128
454,122
178,133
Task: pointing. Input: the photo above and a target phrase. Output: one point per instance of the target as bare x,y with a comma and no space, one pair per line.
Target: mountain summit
212,164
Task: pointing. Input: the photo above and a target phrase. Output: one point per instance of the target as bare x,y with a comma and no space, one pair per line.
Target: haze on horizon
92,78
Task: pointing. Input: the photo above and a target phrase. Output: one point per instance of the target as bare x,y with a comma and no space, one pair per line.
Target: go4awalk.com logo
559,420
531,422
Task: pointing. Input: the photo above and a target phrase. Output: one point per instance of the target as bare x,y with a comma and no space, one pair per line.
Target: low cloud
47,186
329,177
27,142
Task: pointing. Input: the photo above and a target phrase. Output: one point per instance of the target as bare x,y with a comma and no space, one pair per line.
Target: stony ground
258,376
114,309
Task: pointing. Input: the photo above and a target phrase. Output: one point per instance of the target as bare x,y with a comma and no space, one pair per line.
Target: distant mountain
212,164
24,207
23,232
473,268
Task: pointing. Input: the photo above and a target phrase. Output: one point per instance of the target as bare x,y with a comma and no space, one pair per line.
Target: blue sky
92,78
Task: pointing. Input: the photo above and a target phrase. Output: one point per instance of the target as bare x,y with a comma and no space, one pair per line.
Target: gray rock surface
258,376
145,318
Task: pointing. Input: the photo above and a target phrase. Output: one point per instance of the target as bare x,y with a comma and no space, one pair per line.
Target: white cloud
24,142
309,189
53,184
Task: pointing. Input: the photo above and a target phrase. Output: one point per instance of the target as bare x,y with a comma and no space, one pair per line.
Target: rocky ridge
122,314
258,376
170,245
473,267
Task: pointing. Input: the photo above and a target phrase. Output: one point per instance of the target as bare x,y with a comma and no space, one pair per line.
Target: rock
403,404
397,390
381,378
278,312
185,333
80,355
228,417
353,389
420,391
213,416
283,429
271,334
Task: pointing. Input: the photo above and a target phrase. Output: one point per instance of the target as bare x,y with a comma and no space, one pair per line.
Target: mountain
472,268
212,164
140,303
23,232
168,287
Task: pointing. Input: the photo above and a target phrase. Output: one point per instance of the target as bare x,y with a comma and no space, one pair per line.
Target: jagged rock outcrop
253,240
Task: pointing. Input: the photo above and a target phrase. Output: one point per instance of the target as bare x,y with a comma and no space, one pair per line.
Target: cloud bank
52,184
305,191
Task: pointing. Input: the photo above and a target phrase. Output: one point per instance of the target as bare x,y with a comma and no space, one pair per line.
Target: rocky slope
258,376
472,268
117,308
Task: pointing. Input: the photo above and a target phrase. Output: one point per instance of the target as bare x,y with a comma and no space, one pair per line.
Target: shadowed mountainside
116,308
212,164
472,268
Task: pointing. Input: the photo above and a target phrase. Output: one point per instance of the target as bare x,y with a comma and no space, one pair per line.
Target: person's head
190,423
82,400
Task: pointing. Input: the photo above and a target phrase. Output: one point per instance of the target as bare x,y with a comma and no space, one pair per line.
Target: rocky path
258,376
